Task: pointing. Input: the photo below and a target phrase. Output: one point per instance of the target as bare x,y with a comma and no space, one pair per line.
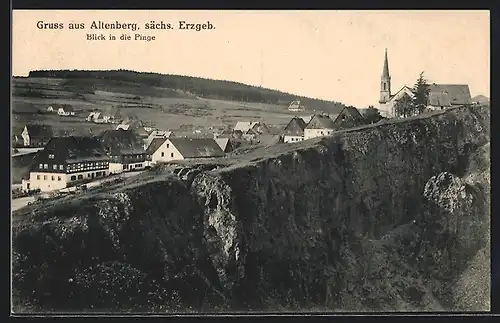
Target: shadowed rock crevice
384,218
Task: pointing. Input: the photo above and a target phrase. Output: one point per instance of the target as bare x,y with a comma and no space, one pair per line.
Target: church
441,96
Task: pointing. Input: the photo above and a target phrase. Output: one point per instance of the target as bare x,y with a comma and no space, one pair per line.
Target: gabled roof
120,141
449,94
223,143
67,108
405,88
160,133
243,126
251,132
73,147
197,147
295,127
154,145
320,121
39,130
350,113
260,128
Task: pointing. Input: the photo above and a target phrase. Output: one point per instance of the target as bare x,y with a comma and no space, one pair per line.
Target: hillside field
158,107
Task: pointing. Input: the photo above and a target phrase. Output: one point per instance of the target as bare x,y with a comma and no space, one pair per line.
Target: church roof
449,94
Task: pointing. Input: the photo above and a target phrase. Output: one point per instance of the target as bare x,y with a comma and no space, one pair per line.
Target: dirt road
23,201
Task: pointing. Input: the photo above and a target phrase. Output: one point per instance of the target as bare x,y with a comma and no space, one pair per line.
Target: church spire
385,72
385,82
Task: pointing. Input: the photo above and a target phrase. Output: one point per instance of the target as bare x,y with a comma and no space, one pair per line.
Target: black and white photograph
204,162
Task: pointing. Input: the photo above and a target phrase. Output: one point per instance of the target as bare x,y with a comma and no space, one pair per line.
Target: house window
384,86
37,176
168,145
58,178
73,178
88,175
46,166
44,177
171,154
61,167
40,166
162,154
80,176
54,167
51,156
53,178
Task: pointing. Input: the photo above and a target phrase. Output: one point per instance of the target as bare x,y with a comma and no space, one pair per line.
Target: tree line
207,88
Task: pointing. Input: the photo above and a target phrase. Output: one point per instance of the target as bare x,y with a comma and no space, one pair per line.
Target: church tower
385,82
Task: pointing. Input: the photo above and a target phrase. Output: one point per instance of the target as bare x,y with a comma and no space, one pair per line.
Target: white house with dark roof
66,111
441,96
294,130
319,126
66,161
168,149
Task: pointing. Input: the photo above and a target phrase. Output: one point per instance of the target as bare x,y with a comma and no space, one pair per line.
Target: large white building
169,149
66,161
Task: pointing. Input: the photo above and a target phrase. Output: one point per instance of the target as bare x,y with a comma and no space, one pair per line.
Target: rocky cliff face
387,217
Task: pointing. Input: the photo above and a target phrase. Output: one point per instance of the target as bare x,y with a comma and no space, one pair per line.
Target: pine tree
420,94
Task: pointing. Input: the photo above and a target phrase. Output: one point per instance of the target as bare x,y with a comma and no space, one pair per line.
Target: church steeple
385,82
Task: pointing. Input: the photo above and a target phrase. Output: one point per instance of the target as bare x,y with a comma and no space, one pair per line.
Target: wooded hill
206,88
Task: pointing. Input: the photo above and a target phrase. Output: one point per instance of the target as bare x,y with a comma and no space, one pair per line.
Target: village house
441,96
17,141
50,108
66,111
320,125
224,144
66,161
168,149
36,135
106,115
296,106
93,116
157,134
125,150
244,126
294,131
349,117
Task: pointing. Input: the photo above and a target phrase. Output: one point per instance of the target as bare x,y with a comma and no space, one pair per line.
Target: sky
331,55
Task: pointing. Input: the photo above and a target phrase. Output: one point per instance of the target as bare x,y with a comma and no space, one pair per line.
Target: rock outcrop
385,217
